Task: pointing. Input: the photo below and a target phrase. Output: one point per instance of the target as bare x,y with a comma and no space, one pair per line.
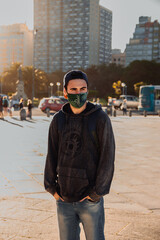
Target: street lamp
51,85
123,86
1,84
33,72
58,85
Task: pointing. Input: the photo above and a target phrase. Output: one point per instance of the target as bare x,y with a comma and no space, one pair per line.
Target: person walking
124,107
1,107
21,104
5,105
80,161
29,106
10,106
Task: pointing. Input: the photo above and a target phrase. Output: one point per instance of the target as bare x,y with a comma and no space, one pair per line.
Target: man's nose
78,91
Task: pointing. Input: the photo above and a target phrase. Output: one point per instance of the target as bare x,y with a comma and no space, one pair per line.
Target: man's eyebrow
74,88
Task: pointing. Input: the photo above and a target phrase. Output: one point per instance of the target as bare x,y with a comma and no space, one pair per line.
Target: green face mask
77,100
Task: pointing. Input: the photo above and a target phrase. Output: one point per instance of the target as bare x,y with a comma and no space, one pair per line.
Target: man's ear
65,93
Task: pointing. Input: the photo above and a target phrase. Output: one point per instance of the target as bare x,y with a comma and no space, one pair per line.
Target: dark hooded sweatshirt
81,152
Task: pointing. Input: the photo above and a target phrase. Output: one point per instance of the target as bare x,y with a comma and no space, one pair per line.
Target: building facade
145,44
118,57
105,44
69,34
16,45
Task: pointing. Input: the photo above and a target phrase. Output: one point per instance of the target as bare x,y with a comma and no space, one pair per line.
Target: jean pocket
92,201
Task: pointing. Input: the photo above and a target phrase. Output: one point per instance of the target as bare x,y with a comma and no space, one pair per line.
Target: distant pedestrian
98,102
1,107
29,106
80,161
10,106
21,104
5,105
124,107
94,101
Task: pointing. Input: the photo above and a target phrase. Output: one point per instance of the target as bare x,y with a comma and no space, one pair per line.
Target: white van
132,101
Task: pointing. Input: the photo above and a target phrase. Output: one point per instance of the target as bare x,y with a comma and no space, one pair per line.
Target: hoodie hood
90,108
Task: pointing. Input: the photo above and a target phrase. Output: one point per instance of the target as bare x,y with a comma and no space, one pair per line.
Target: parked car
110,101
132,101
51,104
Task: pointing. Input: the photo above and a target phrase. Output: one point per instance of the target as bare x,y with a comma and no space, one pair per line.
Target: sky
125,15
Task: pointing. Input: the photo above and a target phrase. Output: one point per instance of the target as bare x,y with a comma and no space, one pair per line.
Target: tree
41,82
137,87
9,78
102,77
141,71
117,87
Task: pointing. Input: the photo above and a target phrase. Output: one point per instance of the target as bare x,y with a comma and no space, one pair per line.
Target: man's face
76,86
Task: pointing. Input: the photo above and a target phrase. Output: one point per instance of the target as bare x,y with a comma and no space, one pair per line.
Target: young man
80,161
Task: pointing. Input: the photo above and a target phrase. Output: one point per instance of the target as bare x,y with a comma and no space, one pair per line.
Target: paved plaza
132,209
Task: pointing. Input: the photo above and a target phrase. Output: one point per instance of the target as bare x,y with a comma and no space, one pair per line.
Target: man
80,161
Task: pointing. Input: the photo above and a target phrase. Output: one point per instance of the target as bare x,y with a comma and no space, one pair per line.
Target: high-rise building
118,57
71,34
145,44
105,43
16,45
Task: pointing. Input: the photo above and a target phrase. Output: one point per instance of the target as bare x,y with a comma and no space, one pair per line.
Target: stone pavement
132,209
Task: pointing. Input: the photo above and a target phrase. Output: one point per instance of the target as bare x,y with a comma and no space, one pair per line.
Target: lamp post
123,86
51,85
33,72
1,84
58,85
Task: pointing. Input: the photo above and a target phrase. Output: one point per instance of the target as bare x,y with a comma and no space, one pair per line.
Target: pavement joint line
10,182
40,210
12,237
33,193
140,192
20,220
30,175
123,228
123,196
132,202
47,218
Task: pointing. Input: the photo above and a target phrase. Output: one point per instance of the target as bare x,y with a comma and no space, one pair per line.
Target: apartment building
145,44
16,45
118,57
71,34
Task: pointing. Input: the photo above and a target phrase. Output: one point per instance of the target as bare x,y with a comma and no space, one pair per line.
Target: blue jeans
90,214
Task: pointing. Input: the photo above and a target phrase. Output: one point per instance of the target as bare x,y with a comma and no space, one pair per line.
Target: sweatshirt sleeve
105,168
50,175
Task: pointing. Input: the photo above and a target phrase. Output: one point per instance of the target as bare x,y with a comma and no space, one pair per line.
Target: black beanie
74,74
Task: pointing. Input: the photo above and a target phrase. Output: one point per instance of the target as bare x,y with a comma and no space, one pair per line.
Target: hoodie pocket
73,182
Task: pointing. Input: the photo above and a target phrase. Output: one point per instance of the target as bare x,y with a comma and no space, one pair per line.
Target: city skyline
123,11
